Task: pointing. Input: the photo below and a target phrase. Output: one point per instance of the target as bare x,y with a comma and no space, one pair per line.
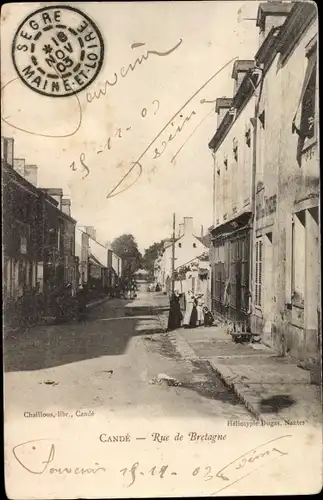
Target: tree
125,246
150,255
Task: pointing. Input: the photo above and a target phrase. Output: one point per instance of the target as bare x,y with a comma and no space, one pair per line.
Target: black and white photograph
161,249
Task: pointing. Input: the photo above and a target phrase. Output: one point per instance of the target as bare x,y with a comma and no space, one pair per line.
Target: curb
231,385
96,303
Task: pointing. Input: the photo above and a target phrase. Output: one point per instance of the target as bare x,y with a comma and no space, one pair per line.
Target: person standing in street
81,303
190,317
199,307
175,315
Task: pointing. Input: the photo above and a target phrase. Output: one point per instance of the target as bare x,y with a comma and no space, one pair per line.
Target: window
194,245
298,259
304,119
180,245
225,161
258,278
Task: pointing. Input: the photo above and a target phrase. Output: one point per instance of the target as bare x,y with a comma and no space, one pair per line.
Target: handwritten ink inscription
171,129
41,456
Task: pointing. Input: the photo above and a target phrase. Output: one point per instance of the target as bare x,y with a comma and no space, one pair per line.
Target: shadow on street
275,404
106,332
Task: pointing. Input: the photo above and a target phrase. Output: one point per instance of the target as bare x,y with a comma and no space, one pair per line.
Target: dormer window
225,161
303,122
248,137
261,118
235,149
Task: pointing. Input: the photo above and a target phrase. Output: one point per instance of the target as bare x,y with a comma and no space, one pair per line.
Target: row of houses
99,266
264,251
43,247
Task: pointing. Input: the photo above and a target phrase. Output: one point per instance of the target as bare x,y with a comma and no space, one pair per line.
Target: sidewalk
46,320
273,388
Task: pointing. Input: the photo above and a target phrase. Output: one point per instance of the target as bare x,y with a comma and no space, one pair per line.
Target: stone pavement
272,387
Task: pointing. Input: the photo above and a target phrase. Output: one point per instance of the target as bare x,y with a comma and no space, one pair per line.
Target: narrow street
118,361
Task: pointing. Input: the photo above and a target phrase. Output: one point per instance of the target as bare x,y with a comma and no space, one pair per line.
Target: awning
311,68
240,222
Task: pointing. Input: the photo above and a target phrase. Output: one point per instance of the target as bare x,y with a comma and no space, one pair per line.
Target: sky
132,113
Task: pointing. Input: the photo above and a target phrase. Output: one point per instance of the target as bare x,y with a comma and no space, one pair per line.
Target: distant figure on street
208,316
39,307
81,299
56,300
199,307
175,316
133,289
190,317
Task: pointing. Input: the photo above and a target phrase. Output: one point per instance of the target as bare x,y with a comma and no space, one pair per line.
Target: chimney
7,150
222,105
271,14
57,194
91,232
66,206
19,166
239,71
202,231
181,229
31,174
188,225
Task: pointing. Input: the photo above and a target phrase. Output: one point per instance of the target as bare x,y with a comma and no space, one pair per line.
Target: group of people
129,290
196,313
154,288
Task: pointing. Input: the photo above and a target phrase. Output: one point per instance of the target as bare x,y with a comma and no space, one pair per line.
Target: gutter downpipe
258,93
212,260
214,190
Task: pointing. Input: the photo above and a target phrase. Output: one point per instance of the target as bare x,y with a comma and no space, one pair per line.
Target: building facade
286,262
274,132
188,246
22,237
99,267
63,262
232,147
38,237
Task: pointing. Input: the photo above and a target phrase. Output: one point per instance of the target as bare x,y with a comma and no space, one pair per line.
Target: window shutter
260,273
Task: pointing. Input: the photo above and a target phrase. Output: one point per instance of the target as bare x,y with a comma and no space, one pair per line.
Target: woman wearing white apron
190,316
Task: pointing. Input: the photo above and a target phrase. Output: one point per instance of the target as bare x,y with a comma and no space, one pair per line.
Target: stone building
63,267
38,231
276,162
232,147
286,256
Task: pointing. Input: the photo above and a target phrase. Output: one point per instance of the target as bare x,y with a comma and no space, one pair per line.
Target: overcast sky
212,34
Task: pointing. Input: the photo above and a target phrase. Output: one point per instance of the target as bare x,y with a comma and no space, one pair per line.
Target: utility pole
173,255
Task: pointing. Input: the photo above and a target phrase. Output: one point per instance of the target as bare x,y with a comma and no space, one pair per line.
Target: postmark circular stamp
57,51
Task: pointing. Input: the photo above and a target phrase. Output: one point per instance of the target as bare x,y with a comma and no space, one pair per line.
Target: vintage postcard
161,249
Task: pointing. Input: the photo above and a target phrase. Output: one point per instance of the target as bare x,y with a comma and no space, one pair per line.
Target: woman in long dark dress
175,315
